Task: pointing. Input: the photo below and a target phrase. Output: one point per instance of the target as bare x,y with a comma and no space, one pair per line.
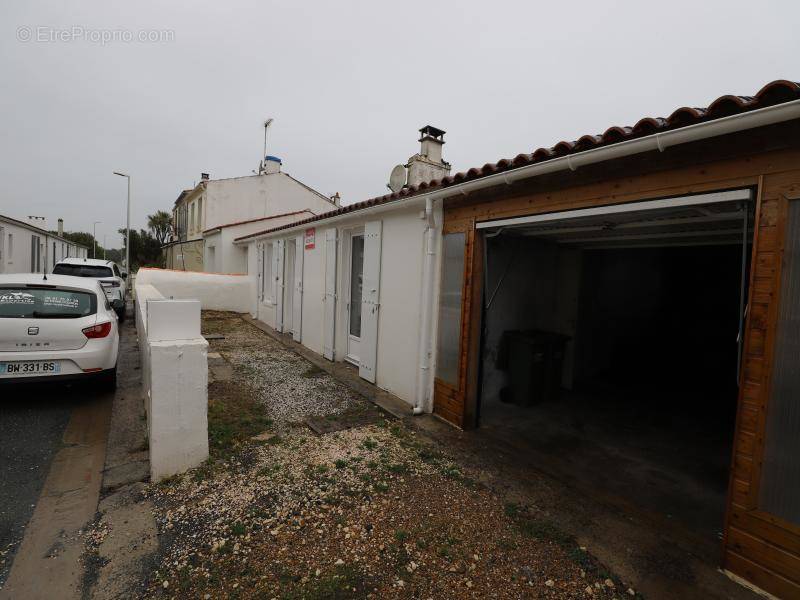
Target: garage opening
610,347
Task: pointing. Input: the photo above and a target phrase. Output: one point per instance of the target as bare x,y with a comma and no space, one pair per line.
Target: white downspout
425,350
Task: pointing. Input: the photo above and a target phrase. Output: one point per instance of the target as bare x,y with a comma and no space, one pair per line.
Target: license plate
29,368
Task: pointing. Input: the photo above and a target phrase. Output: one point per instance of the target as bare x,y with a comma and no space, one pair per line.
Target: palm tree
160,225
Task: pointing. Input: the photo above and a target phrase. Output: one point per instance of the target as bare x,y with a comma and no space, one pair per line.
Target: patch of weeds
184,579
396,431
381,486
234,417
345,582
312,371
269,470
401,536
170,481
373,464
397,468
370,444
428,455
340,463
512,510
542,529
507,544
275,440
421,544
321,468
238,528
383,424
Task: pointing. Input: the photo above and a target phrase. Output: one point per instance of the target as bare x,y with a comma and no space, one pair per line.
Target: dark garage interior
610,352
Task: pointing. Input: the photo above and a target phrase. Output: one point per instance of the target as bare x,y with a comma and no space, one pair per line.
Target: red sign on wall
310,237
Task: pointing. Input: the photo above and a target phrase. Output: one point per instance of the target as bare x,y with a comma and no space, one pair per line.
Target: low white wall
236,293
174,378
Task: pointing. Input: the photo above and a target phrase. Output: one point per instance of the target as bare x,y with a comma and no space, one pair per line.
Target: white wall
244,198
15,255
215,292
174,380
399,325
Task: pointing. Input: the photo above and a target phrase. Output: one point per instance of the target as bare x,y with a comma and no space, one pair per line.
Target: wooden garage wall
756,546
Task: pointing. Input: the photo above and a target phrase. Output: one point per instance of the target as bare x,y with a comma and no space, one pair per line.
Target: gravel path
368,512
289,387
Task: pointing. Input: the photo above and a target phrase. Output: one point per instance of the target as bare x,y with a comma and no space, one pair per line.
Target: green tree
160,225
145,250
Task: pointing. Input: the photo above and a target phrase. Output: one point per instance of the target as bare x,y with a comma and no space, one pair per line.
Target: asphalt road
32,423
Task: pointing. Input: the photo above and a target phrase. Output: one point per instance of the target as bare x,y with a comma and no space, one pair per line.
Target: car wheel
109,382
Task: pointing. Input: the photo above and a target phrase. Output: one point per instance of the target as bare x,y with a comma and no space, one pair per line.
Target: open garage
611,345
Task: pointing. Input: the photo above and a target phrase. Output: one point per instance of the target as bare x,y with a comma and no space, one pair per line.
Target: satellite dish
397,178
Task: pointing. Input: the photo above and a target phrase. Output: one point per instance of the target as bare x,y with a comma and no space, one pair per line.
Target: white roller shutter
297,297
370,301
277,273
328,341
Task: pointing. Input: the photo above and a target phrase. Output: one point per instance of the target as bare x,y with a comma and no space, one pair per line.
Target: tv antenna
267,123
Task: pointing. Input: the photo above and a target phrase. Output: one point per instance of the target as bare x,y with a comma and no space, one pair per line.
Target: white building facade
26,248
353,286
361,284
208,217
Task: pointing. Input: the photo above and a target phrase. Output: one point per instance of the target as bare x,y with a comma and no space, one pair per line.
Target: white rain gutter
657,141
425,350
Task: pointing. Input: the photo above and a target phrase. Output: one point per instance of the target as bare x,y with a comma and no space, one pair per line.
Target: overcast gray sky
348,84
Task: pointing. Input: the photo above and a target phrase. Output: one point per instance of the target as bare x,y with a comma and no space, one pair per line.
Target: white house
207,218
358,284
27,248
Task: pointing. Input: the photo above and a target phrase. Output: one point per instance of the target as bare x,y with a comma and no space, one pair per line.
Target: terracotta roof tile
775,92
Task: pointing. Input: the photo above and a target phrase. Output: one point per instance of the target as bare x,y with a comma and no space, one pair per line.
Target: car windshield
45,303
82,270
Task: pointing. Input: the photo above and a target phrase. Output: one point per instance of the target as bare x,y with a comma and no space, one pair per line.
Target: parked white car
106,271
56,328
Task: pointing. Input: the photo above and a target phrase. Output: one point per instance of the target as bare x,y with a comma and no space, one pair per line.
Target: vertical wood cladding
756,546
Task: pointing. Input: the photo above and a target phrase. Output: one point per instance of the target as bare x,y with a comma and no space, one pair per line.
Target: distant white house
28,248
208,217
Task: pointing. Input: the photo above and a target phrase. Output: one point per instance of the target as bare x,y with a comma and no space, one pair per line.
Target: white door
328,339
355,286
370,303
297,298
288,286
277,254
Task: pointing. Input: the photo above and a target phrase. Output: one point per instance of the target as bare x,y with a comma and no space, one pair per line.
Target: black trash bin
533,360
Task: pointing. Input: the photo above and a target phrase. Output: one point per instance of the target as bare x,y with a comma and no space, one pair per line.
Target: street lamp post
94,239
127,225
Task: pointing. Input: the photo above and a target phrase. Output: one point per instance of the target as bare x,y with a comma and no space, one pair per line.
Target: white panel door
370,301
328,338
277,253
297,298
